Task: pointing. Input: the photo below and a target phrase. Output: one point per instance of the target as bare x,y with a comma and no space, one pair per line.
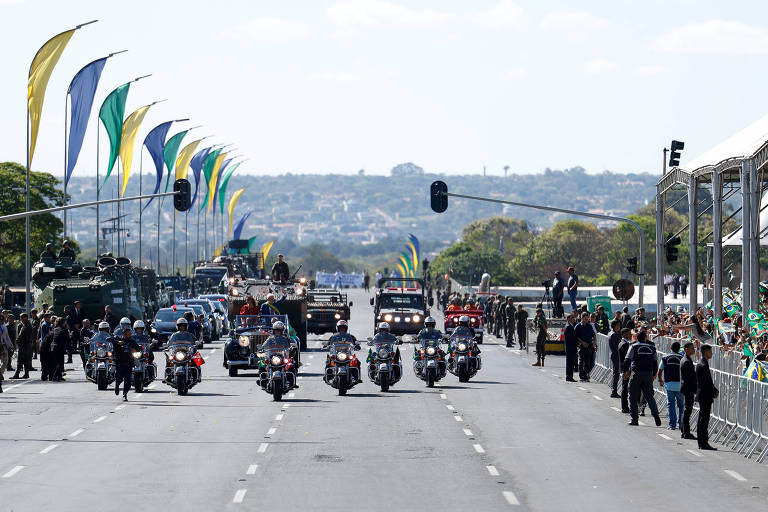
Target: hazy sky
336,86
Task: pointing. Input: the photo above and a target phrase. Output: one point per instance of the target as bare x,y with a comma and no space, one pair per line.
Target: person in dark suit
624,344
706,392
571,348
109,317
613,343
688,389
75,323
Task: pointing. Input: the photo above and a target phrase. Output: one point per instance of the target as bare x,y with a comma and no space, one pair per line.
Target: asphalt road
516,437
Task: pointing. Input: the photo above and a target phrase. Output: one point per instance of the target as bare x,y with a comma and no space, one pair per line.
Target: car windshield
203,304
213,273
219,306
402,301
169,315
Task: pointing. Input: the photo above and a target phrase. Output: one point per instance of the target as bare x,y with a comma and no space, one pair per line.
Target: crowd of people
676,284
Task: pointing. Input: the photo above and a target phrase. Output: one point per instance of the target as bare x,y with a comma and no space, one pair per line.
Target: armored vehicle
113,281
402,303
325,307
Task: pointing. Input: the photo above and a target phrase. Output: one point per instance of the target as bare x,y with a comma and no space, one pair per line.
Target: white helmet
138,324
429,320
278,325
342,323
125,321
181,321
384,326
104,325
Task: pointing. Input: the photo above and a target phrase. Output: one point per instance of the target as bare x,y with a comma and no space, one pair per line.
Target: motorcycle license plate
431,363
383,367
462,359
343,369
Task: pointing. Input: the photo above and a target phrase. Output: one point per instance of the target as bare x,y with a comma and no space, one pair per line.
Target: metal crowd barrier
739,417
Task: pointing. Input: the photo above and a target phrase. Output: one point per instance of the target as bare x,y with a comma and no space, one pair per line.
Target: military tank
112,281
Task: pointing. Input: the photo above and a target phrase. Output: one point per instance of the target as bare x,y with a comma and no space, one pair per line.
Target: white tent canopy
743,144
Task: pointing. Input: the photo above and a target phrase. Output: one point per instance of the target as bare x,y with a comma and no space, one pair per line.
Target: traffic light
438,194
181,199
632,265
671,247
674,153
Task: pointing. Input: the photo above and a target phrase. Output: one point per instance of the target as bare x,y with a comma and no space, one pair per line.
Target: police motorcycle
183,361
99,365
464,355
428,358
242,349
144,367
384,366
278,368
342,368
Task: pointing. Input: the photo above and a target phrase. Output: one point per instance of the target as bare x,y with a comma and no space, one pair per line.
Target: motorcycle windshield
107,345
426,342
337,348
281,343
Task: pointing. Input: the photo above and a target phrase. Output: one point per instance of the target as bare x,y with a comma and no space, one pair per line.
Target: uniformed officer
124,347
280,271
540,322
509,322
429,332
66,251
642,363
49,252
521,320
498,317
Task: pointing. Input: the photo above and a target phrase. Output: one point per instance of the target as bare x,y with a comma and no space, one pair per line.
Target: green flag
747,350
208,163
170,152
223,186
111,115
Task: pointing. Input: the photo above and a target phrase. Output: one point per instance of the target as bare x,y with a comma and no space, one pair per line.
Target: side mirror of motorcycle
357,347
352,304
399,341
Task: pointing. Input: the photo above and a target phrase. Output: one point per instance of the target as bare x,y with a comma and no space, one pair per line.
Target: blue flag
197,166
239,226
155,144
81,91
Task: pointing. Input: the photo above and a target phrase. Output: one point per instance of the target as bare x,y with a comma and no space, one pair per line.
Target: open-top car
243,349
475,321
325,307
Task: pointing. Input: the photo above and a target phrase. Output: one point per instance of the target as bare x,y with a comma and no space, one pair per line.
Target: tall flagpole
28,261
98,177
186,243
141,175
66,98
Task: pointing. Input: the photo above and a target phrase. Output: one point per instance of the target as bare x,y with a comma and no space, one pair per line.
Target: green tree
44,193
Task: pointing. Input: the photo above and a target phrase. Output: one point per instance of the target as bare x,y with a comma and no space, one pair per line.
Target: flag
155,143
224,183
732,308
208,163
251,241
754,317
219,177
212,180
413,244
81,91
239,226
756,371
403,262
265,251
197,166
111,114
185,158
232,204
747,350
169,154
724,327
218,250
39,74
128,139
402,269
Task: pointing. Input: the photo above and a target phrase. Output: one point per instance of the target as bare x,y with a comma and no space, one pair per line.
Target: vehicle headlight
416,318
407,319
341,356
309,315
243,341
300,291
235,293
303,280
431,351
387,317
455,320
383,353
462,347
261,355
397,319
276,360
337,316
473,320
137,355
180,355
101,352
153,330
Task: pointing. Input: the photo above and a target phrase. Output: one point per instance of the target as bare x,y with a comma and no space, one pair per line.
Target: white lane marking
239,495
137,395
120,407
641,423
450,407
596,397
99,419
291,395
17,385
581,388
442,395
511,498
458,418
76,433
553,373
13,471
252,469
299,377
311,357
735,475
665,436
211,352
467,432
48,449
285,406
279,417
694,452
271,431
478,448
152,386
492,470
615,408
262,448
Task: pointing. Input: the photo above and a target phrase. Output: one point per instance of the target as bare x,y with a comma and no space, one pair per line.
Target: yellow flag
218,250
39,74
130,129
185,156
214,178
265,251
231,209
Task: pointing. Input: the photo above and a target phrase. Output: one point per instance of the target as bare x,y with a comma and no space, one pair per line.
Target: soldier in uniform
498,317
521,319
280,270
67,251
509,322
49,252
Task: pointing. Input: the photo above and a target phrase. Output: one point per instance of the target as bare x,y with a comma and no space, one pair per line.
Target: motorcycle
429,362
182,367
144,370
464,361
342,370
384,367
277,373
100,367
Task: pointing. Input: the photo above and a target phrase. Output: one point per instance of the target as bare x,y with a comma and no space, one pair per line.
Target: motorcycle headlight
455,320
309,315
101,352
261,355
337,316
235,293
300,291
341,356
276,360
243,341
153,330
180,355
462,347
431,351
383,353
137,355
387,317
416,318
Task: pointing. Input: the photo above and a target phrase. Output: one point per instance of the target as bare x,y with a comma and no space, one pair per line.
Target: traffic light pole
641,258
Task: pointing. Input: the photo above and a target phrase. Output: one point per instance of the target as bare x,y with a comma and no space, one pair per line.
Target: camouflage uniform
509,322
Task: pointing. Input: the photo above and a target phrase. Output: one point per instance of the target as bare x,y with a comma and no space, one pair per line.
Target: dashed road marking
450,407
597,397
48,449
311,357
239,495
291,395
615,408
99,419
13,471
152,386
553,373
511,498
138,395
76,433
581,388
252,469
442,395
665,436
271,431
299,377
492,470
478,448
120,407
262,448
644,424
279,417
211,352
285,406
694,452
458,418
467,432
735,475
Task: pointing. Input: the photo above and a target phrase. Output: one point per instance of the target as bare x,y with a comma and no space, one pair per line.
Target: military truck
402,303
325,307
112,281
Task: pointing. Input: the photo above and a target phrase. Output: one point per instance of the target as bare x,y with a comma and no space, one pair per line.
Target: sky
337,86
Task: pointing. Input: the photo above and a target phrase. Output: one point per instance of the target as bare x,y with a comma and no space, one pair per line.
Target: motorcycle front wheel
463,374
181,385
277,391
384,379
342,386
138,383
101,381
430,378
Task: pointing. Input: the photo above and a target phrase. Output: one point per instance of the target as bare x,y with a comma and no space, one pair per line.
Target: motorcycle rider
341,336
463,330
429,333
124,347
384,336
183,337
125,322
140,337
278,339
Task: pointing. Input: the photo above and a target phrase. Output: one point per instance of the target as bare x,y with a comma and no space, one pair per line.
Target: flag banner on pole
252,241
240,225
208,164
753,317
413,244
39,74
185,158
128,139
265,251
224,183
81,91
111,115
219,177
232,203
747,350
197,166
212,180
155,143
170,152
